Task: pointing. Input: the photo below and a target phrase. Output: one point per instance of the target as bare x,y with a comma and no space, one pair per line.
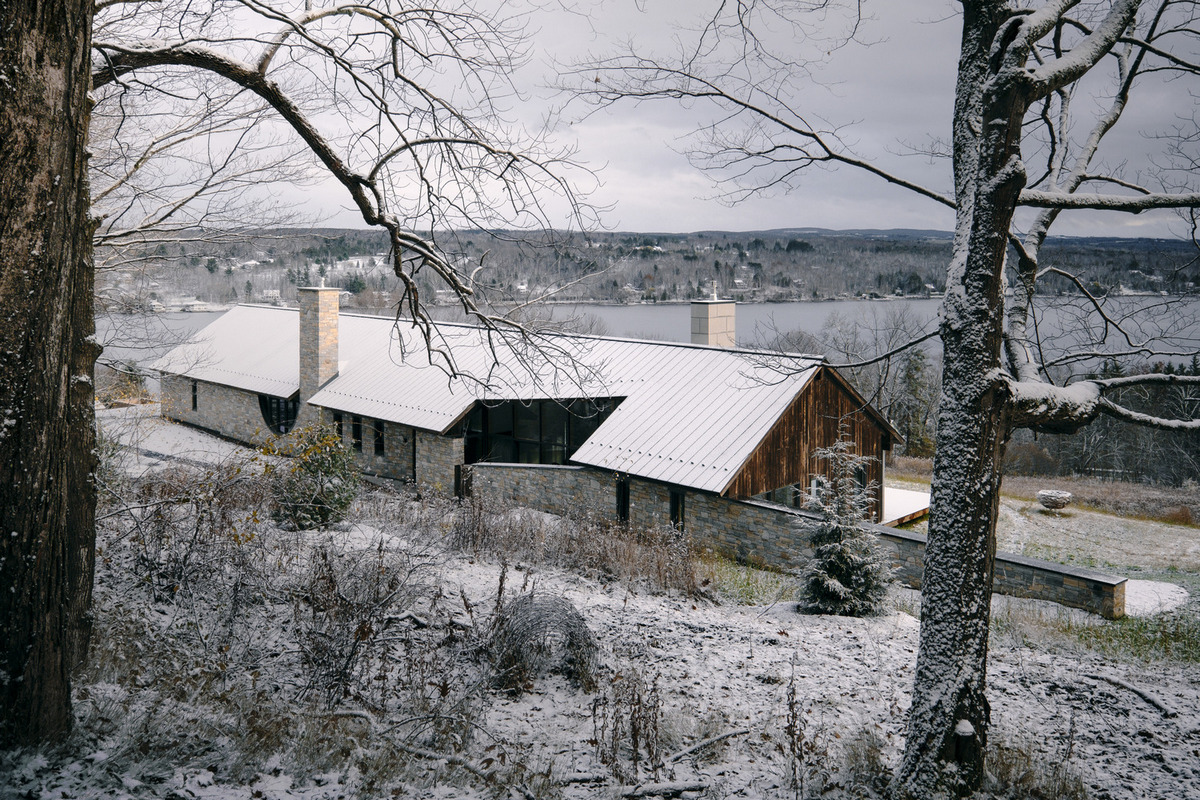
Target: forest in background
763,266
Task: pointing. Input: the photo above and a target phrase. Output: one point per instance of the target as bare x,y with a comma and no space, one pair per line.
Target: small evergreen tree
849,571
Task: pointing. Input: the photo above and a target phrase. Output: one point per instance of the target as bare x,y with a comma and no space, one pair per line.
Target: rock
1054,499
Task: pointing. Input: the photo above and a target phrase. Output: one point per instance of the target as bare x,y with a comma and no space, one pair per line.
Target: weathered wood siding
785,456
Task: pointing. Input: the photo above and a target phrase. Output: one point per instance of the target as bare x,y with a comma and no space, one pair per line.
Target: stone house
711,438
703,435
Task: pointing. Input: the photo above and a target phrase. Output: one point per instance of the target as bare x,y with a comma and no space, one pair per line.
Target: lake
143,337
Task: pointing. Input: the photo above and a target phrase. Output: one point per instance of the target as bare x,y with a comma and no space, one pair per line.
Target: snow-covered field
779,682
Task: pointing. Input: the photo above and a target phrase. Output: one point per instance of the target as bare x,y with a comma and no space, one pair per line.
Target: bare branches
744,74
400,105
1133,204
1052,409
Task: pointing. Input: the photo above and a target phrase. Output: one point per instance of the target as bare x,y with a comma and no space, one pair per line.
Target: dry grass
659,558
1173,505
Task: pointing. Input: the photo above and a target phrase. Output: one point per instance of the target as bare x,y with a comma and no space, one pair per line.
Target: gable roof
691,415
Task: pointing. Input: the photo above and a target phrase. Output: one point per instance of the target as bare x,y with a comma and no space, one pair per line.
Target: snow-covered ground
150,442
1128,726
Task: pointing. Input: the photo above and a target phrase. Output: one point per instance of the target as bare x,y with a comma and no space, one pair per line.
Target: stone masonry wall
765,534
397,459
558,489
437,456
221,409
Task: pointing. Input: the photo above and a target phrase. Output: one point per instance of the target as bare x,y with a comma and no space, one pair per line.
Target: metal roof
691,415
255,348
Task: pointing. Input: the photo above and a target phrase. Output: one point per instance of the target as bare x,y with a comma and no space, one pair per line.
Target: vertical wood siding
786,454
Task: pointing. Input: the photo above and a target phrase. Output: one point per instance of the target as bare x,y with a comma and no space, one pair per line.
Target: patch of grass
1170,637
1172,505
1173,636
661,557
742,583
1016,769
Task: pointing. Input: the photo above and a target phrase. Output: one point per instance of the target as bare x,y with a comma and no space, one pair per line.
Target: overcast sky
896,91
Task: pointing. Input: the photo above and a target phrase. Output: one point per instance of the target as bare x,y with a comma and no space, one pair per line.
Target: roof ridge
818,359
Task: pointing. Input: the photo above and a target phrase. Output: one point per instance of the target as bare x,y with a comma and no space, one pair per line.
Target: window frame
623,500
377,426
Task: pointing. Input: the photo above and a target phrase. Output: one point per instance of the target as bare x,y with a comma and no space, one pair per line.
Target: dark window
535,432
860,476
555,426
195,403
474,436
338,427
356,432
677,508
278,412
379,444
527,431
622,499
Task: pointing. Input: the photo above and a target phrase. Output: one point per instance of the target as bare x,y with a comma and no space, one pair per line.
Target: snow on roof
255,348
691,415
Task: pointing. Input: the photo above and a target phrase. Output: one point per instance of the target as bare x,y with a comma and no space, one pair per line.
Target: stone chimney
318,339
713,322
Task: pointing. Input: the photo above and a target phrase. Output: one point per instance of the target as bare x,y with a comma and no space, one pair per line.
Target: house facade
711,438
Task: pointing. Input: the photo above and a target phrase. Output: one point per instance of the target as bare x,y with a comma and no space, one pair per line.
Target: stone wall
765,534
560,490
437,458
397,459
230,412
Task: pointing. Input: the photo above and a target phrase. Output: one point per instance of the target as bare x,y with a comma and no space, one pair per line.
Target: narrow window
860,476
356,432
677,508
195,401
338,427
379,447
622,499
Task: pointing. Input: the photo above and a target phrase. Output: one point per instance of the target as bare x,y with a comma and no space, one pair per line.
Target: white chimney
714,322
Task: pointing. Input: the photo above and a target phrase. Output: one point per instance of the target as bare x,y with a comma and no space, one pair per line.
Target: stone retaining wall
765,534
437,458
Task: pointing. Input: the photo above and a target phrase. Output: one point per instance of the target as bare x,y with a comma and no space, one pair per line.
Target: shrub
319,482
849,571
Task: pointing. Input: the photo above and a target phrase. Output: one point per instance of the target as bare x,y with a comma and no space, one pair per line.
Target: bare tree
403,106
47,501
1021,90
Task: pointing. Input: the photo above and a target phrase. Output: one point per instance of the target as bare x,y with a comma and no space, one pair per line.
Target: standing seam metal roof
691,415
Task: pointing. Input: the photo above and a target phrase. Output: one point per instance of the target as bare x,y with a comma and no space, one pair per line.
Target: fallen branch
582,777
663,789
706,743
1166,710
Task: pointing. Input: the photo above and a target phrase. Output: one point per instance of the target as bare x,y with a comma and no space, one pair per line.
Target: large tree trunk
47,353
948,722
